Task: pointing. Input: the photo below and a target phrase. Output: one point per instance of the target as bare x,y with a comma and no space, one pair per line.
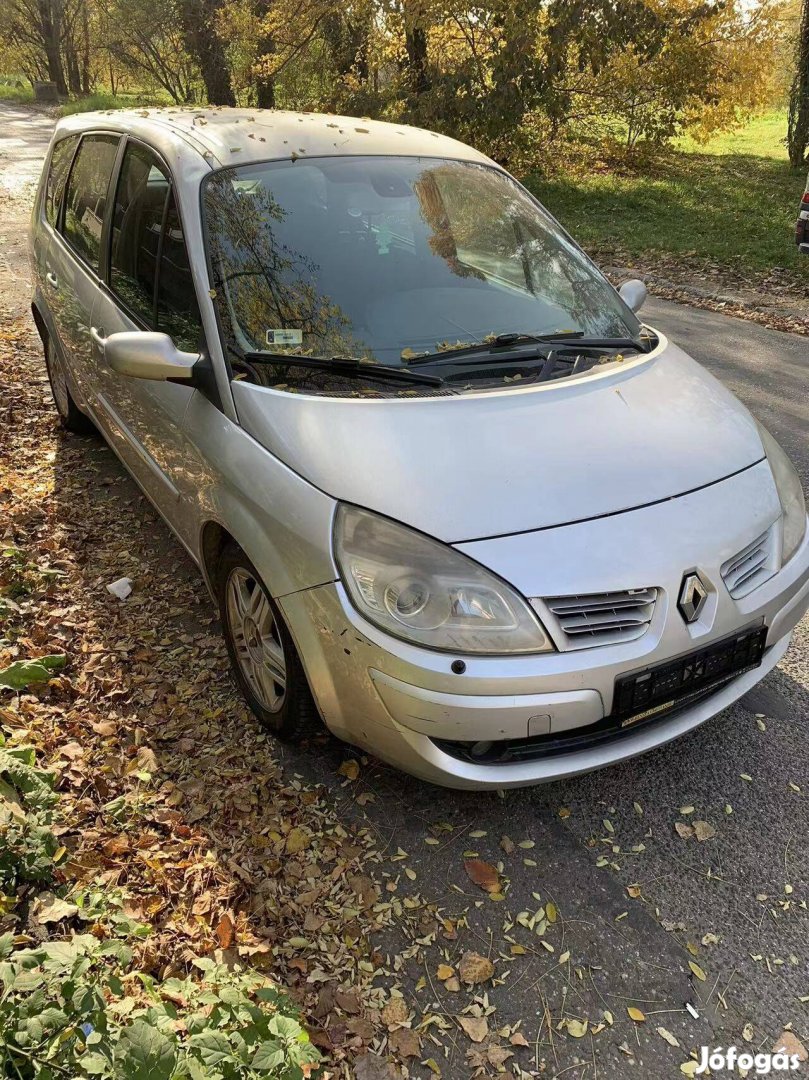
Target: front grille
606,618
751,567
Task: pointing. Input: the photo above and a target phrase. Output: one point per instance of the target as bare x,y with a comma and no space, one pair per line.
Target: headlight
790,492
425,592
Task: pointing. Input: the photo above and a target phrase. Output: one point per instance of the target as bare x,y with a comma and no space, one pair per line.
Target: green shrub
74,1009
27,845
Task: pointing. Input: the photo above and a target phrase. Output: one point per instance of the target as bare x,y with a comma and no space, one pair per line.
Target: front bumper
400,702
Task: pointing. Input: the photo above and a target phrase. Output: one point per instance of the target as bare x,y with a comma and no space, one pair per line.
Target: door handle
52,279
98,336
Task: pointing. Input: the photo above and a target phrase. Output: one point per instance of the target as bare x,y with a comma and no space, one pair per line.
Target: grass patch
732,201
104,100
15,88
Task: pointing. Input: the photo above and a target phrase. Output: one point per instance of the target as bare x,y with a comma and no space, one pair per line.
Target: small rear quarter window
57,175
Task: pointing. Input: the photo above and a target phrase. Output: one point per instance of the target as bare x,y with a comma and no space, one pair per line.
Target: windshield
389,258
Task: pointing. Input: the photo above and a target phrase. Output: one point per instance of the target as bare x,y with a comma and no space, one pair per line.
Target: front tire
70,415
262,654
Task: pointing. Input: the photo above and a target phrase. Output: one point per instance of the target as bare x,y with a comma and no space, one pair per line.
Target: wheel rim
256,638
56,371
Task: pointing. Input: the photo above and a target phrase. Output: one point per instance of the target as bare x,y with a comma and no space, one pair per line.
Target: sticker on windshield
285,337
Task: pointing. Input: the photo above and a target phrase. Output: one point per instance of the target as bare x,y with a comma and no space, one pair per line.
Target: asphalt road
735,905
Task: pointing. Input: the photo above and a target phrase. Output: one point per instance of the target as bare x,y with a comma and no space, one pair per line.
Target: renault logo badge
693,597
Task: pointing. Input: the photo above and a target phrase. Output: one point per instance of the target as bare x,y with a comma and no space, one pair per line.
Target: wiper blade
506,343
347,365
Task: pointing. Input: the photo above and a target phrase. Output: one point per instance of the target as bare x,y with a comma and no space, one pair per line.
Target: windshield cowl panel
386,259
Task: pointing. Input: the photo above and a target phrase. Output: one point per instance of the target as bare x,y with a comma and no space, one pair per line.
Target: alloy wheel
257,641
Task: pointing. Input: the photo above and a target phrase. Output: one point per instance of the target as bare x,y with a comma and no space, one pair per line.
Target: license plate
675,683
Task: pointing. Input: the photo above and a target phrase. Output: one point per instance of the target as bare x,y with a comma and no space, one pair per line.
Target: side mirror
142,354
633,293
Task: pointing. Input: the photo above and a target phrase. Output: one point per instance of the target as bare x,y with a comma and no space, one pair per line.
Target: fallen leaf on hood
475,1027
475,968
483,874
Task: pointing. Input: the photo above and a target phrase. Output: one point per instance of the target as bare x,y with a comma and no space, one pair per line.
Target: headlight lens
790,492
425,592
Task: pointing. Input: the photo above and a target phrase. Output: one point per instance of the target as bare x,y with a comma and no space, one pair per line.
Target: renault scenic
451,495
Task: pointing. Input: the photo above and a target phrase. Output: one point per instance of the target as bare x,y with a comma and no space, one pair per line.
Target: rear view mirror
142,354
633,293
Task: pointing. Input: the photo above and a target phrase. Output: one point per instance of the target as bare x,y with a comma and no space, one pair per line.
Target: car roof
234,136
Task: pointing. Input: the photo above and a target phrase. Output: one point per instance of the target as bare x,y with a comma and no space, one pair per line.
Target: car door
149,287
73,257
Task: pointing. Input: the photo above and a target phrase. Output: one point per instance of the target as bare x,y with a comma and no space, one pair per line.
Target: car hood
499,462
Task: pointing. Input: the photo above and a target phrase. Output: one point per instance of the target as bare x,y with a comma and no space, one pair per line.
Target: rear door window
57,175
86,196
137,220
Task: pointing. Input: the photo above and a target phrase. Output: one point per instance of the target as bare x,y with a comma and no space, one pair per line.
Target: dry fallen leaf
396,1011
697,970
518,1039
475,1027
508,845
350,769
483,874
667,1035
684,831
405,1043
576,1028
297,840
445,972
225,931
788,1043
635,1014
475,968
703,830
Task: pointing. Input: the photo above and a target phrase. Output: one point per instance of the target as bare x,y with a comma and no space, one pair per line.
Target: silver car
450,494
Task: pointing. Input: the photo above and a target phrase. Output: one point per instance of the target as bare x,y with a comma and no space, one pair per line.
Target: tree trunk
50,19
206,47
798,130
416,46
265,84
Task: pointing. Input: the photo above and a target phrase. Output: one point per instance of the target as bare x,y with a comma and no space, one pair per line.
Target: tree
146,39
199,22
798,128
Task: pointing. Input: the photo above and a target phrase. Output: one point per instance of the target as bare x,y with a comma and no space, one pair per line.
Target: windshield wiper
346,365
508,342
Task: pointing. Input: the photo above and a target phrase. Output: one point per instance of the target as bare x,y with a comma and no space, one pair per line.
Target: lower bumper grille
667,689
